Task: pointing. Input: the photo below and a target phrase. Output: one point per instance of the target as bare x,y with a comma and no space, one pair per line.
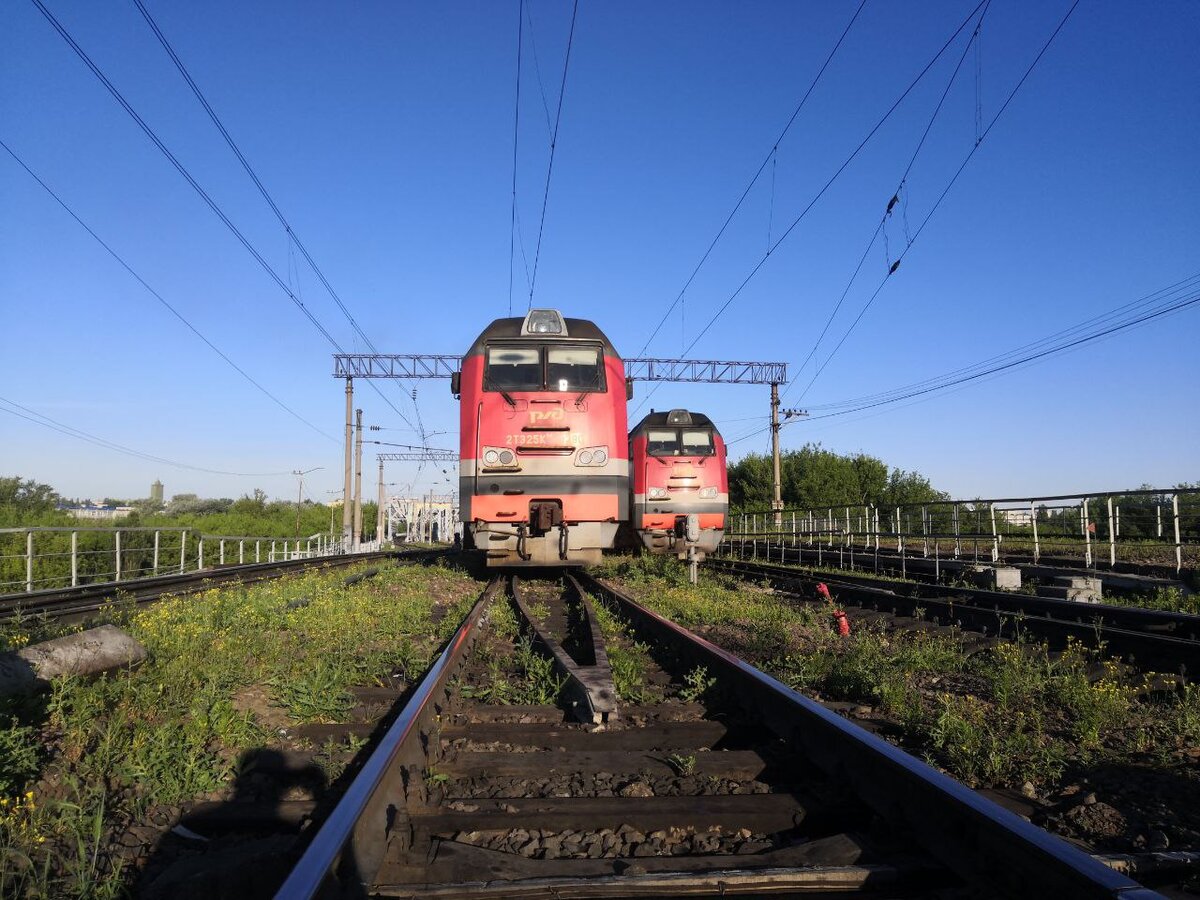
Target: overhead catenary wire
754,179
1167,301
512,225
170,308
553,145
292,236
212,204
880,228
824,188
942,196
46,422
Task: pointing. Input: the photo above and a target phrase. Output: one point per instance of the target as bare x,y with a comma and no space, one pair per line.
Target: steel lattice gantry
705,371
420,456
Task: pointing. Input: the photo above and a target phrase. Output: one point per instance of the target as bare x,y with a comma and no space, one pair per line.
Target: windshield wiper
508,399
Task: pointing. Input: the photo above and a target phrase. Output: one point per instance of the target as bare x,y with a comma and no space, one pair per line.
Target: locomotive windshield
547,368
679,442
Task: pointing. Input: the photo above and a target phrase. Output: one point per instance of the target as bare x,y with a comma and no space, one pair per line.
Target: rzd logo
545,415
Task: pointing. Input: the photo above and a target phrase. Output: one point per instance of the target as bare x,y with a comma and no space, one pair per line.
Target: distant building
98,513
156,493
1016,516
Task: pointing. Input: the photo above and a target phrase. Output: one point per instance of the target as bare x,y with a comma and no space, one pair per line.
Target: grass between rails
1009,714
80,764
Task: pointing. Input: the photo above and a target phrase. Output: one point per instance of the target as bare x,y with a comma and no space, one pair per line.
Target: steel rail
1131,618
63,602
350,845
974,837
1147,637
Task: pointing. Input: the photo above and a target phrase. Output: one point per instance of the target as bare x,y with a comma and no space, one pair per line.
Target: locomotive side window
574,369
697,442
662,442
513,369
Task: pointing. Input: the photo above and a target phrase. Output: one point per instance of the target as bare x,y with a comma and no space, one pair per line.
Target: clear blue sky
384,132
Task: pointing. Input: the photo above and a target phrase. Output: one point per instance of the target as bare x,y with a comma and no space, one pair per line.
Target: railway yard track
712,778
77,603
1149,639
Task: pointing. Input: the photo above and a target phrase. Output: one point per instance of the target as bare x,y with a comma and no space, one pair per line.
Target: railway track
80,602
1150,639
719,780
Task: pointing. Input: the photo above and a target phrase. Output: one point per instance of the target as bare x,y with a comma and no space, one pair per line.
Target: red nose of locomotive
680,483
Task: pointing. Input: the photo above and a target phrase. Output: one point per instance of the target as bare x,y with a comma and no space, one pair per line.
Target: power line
1167,301
820,193
754,179
212,204
53,424
512,225
292,236
113,253
941,197
553,144
895,197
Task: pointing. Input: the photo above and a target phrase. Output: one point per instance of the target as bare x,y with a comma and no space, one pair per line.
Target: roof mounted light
544,321
679,417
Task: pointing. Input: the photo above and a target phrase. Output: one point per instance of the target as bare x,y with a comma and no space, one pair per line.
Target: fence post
1178,543
183,551
925,531
1158,516
155,551
1087,533
200,561
221,551
241,551
257,554
28,560
74,558
1112,537
957,543
271,556
118,554
1037,548
995,535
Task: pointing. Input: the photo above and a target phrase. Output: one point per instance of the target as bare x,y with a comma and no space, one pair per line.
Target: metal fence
1114,529
44,558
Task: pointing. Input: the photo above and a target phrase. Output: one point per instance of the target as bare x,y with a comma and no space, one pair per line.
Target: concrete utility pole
356,537
777,495
379,511
300,493
347,522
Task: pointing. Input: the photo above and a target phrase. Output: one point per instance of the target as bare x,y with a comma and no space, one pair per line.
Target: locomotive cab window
544,368
662,442
574,369
513,369
697,442
679,442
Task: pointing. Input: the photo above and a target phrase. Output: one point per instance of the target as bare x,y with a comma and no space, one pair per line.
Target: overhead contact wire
553,144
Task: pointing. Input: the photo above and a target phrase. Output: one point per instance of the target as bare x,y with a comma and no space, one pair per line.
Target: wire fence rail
1149,527
46,558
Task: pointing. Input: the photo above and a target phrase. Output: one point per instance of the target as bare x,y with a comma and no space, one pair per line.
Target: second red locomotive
680,483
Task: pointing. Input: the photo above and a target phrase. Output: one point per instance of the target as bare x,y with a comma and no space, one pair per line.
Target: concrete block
997,578
1083,588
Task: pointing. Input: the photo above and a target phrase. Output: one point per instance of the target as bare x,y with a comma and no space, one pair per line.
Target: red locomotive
680,484
544,476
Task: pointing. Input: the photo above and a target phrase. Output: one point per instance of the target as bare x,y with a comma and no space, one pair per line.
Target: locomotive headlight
708,493
657,493
592,456
499,458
